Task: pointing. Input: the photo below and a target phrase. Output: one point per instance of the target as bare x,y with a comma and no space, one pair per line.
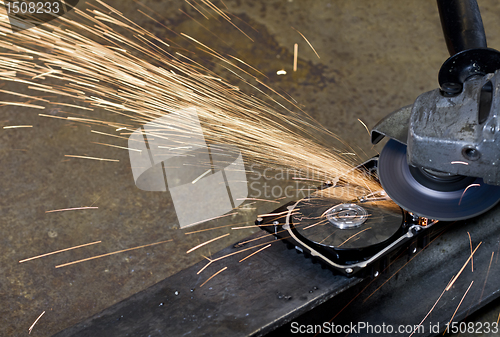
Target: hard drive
348,228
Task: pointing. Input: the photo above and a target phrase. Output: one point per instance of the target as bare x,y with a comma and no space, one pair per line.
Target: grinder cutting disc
440,200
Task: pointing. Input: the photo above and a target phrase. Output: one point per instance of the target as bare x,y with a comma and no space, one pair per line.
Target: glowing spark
98,132
355,235
462,269
204,174
94,158
43,115
215,217
47,73
281,72
245,227
498,319
243,259
470,244
415,255
118,147
459,305
32,325
211,277
423,320
309,179
17,126
231,254
471,185
367,130
460,162
277,202
295,55
255,239
24,104
272,214
70,209
486,278
59,251
206,17
143,81
310,45
206,243
208,264
207,229
112,253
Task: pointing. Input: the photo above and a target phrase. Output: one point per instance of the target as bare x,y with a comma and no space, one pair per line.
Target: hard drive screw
376,274
276,222
348,270
414,250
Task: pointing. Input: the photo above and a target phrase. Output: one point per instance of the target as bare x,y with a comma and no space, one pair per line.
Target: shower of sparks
32,325
206,243
59,251
93,158
17,126
295,56
470,244
471,185
243,259
112,253
459,304
309,43
462,269
135,74
71,209
211,277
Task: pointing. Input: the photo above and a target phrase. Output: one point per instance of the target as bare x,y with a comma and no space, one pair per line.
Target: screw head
349,270
471,153
275,222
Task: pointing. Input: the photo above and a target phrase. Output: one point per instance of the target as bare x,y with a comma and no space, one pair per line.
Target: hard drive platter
348,228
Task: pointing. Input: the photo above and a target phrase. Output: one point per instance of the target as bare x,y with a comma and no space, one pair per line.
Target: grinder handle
462,25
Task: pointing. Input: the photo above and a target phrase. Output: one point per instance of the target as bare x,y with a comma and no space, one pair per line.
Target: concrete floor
376,56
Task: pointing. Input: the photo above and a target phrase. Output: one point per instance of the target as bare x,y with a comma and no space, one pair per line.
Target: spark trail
101,59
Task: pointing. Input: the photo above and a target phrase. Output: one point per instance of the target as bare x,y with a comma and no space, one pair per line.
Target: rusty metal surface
277,285
250,298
